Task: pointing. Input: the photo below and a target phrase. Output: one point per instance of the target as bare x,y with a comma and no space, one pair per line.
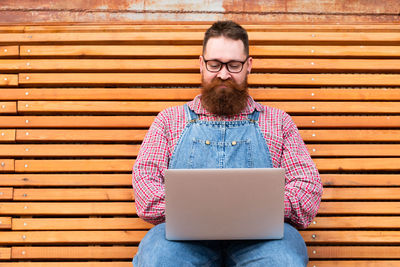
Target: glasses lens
235,66
213,65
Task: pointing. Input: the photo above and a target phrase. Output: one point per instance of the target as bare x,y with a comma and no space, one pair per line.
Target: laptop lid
223,204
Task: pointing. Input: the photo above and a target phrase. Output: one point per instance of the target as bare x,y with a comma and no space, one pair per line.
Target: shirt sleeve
303,188
148,173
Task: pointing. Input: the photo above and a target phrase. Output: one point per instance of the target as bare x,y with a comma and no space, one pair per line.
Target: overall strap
190,114
254,116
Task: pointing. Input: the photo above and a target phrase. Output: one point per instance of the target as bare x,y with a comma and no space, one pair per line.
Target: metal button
234,143
207,142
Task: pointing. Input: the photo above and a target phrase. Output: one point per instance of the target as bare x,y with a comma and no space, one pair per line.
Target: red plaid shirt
303,187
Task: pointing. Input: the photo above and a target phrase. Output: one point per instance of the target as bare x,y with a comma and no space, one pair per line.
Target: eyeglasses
232,66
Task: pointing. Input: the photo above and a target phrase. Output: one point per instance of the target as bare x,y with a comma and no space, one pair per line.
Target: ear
249,64
201,61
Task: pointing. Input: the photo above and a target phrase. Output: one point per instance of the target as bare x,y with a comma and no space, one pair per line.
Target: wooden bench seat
77,100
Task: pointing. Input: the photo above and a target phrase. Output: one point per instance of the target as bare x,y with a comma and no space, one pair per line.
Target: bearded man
189,136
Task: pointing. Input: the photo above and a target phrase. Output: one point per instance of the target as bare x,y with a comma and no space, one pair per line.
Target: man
187,137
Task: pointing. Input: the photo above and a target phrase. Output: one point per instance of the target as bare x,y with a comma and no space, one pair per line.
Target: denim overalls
220,144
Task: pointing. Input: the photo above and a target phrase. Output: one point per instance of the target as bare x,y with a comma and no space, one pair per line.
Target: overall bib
220,144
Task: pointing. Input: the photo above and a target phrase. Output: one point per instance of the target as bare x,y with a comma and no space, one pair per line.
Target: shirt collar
198,108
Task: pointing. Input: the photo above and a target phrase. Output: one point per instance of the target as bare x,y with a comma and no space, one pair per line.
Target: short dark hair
228,29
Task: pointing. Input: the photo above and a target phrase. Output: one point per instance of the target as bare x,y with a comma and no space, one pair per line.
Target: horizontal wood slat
360,150
95,79
8,107
361,194
196,37
7,135
68,209
74,252
8,80
81,194
26,107
352,237
80,135
354,252
6,193
72,237
138,135
68,264
89,165
359,263
355,222
357,164
360,208
360,179
192,65
9,51
70,180
7,165
5,223
85,150
5,253
187,94
80,224
196,50
134,121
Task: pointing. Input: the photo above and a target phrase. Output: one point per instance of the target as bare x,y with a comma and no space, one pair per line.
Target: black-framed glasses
233,66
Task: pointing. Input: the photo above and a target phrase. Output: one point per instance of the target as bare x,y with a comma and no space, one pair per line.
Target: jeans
155,250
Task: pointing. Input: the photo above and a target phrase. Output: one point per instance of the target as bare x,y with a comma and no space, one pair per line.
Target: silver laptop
224,204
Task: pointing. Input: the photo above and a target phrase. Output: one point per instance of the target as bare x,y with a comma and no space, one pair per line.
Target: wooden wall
250,11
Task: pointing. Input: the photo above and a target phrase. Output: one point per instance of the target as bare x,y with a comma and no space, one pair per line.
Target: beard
224,97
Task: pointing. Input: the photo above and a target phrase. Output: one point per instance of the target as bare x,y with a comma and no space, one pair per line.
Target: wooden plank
9,51
81,194
187,94
7,135
196,50
27,107
6,165
352,237
6,193
360,263
360,179
80,135
80,224
8,107
350,135
72,237
354,252
138,135
347,122
5,223
5,254
354,222
77,121
67,208
84,150
360,193
359,208
369,51
75,252
370,150
174,79
68,180
88,165
357,164
111,50
68,264
8,80
196,37
132,121
192,65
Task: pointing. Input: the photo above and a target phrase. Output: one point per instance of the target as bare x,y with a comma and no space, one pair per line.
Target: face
224,92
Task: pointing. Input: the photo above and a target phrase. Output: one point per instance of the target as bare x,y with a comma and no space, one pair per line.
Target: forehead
224,49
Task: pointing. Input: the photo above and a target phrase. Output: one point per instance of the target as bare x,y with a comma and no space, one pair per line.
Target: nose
224,74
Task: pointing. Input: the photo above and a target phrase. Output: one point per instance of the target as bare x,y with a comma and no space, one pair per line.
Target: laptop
224,204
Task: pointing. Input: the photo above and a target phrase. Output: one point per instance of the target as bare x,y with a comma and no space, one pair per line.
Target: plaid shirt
303,187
